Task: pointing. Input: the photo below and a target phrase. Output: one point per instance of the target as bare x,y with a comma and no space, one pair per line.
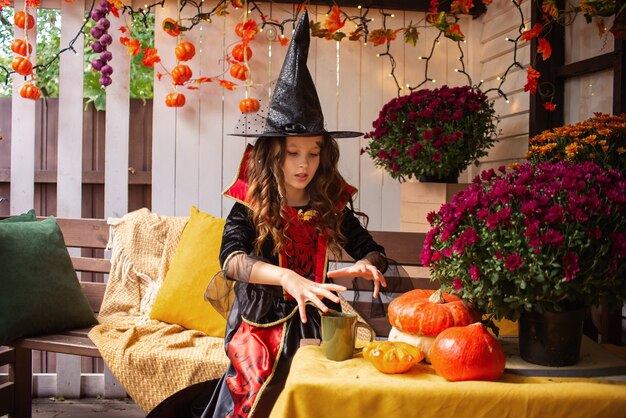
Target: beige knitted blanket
151,359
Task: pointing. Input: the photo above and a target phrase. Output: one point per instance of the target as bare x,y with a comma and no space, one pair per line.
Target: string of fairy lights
362,22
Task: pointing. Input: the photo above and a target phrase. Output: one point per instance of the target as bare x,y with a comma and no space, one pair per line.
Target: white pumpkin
420,341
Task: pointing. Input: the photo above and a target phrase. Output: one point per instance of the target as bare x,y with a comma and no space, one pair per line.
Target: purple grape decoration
105,80
106,70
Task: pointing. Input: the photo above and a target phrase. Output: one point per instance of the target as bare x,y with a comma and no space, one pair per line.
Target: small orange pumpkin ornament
185,51
21,47
170,26
22,19
239,50
22,66
467,353
239,71
392,357
30,91
419,315
249,105
175,99
181,74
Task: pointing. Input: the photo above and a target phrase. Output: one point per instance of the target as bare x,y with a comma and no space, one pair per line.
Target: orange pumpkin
181,74
175,99
22,19
249,105
392,357
170,26
185,51
239,71
21,47
22,66
467,353
239,50
428,312
419,315
30,91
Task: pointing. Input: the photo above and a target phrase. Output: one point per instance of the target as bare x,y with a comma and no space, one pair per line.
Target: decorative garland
181,75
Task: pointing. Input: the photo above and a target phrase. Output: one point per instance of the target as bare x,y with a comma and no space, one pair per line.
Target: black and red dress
264,327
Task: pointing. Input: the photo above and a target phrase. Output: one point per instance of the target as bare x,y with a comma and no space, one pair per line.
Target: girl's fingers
376,288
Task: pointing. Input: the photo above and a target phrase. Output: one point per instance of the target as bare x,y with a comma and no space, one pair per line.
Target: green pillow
24,217
39,289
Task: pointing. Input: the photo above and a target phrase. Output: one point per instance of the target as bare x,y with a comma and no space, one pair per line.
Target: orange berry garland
239,50
170,26
21,21
175,99
181,74
249,105
21,47
185,51
30,91
22,66
239,71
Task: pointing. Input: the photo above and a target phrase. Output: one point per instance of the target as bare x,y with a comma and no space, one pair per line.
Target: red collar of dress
238,190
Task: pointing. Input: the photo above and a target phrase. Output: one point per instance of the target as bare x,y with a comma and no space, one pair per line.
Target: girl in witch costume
292,209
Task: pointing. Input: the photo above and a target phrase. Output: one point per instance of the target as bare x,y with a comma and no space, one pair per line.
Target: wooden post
22,374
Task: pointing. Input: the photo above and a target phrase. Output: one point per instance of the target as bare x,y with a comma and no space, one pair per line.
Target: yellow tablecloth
317,387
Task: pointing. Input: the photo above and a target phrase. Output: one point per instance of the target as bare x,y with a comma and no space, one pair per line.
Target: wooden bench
16,395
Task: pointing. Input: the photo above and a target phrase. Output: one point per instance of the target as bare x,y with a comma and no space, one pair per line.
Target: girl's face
302,158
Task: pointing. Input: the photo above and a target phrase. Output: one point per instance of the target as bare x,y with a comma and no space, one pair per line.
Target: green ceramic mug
339,332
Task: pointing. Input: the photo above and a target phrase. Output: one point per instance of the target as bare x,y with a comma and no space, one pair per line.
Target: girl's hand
304,290
362,268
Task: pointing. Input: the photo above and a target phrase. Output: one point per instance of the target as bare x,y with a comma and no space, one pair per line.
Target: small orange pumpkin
175,99
239,50
249,105
239,71
22,19
170,26
467,353
30,91
181,74
392,357
185,51
22,66
21,47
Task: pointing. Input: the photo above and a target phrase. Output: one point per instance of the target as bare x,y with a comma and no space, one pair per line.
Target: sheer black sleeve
359,243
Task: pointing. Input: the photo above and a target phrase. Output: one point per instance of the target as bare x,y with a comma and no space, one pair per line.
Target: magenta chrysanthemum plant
433,133
538,238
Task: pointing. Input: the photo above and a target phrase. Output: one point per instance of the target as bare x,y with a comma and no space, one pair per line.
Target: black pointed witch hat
295,108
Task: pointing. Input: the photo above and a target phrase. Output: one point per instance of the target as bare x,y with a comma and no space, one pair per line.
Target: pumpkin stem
437,297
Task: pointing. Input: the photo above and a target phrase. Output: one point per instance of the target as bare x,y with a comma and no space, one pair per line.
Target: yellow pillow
181,297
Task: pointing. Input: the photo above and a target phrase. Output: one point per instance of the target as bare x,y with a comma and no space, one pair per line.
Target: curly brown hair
267,192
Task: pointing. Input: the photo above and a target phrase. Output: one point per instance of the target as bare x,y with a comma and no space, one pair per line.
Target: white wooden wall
493,54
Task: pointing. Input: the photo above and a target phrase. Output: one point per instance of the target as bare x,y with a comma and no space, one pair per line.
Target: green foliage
48,45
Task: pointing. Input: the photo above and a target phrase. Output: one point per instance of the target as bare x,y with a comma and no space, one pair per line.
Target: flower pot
450,178
418,199
551,338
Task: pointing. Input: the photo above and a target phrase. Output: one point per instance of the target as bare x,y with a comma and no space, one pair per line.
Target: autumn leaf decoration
545,50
